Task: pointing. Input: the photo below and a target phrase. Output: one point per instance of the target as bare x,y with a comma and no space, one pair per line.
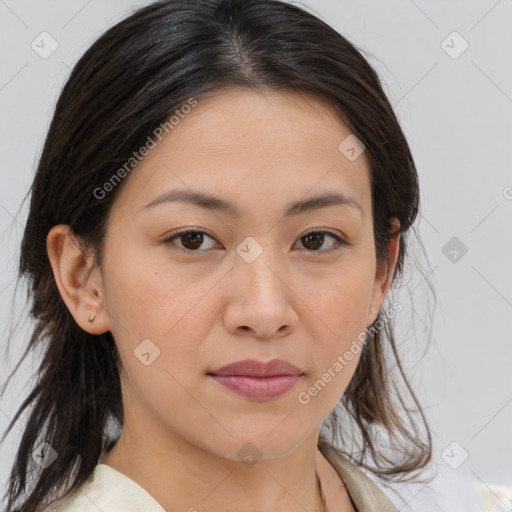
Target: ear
384,274
80,285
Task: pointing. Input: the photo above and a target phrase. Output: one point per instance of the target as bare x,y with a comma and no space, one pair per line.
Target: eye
192,240
315,239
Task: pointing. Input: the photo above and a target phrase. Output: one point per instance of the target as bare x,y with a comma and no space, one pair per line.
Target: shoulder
364,492
107,490
87,497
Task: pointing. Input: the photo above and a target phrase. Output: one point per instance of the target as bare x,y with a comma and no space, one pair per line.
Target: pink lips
258,380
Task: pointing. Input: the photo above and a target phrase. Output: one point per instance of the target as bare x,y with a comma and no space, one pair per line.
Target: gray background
457,115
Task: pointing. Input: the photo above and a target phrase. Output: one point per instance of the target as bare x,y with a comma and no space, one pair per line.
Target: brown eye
190,240
314,240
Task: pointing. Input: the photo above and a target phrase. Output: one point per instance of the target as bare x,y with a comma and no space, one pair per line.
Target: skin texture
204,309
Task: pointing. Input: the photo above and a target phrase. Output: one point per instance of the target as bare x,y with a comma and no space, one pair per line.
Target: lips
255,368
256,380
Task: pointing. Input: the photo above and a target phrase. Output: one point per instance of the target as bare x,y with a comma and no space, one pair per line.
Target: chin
249,449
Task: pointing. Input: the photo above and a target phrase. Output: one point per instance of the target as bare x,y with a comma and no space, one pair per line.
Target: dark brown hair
126,85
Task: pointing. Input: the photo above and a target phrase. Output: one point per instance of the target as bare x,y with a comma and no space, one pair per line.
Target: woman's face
247,283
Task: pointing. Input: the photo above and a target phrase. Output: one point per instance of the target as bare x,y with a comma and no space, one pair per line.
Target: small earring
91,318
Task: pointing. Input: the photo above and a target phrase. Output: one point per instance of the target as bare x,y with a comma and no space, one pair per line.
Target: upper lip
255,368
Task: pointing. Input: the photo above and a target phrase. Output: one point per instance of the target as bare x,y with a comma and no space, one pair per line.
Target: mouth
258,380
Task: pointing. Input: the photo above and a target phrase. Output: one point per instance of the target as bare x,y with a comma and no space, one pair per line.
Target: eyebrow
212,202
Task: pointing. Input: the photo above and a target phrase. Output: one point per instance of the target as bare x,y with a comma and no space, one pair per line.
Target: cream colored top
108,490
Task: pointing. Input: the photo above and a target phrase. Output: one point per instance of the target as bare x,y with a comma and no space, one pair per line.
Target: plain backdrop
446,67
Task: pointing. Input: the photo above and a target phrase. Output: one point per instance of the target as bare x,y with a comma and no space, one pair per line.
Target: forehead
253,148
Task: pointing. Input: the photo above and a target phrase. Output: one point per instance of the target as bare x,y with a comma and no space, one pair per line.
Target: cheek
159,315
340,305
146,297
340,334
340,298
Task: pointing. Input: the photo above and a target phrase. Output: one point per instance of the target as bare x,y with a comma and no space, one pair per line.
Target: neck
182,476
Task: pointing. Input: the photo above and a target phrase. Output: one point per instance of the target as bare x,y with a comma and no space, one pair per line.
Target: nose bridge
258,298
256,264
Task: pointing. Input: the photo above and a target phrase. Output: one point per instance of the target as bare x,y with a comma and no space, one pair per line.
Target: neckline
333,486
133,494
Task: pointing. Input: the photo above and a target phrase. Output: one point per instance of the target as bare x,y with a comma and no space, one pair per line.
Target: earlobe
79,285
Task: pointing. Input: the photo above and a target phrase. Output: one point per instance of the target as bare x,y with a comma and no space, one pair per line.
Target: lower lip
258,388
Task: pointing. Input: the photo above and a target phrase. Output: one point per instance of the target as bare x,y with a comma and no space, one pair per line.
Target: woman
219,212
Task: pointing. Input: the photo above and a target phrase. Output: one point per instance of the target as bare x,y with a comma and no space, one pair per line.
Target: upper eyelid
340,239
201,230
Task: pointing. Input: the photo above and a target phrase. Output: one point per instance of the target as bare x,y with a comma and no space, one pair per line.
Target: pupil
195,238
317,236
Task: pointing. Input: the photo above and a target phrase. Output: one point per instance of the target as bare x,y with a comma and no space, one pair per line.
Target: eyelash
340,242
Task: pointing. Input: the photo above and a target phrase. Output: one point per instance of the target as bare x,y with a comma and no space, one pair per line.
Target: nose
259,301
